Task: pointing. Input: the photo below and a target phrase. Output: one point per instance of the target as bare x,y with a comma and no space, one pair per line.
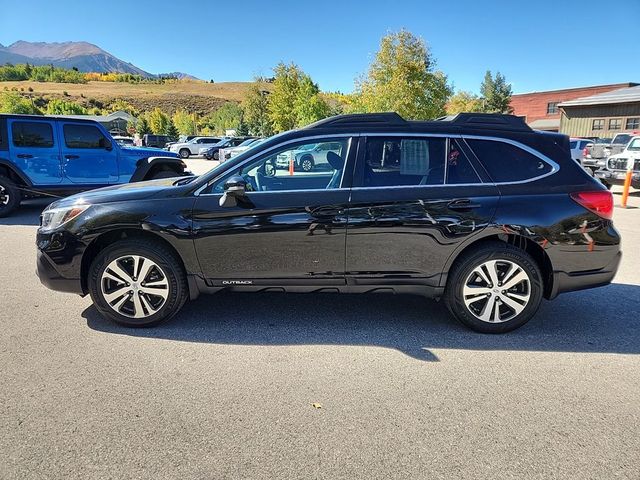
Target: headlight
55,217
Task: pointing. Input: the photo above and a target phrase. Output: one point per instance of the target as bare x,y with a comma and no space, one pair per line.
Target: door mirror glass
235,189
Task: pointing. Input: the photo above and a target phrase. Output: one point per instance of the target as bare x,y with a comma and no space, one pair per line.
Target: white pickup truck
615,170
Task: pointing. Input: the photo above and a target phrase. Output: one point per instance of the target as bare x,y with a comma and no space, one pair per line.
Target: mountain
178,75
84,56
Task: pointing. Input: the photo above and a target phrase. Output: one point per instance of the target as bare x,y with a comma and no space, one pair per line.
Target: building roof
546,124
622,95
120,114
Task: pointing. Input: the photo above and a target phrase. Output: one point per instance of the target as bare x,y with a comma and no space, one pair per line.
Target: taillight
585,152
600,203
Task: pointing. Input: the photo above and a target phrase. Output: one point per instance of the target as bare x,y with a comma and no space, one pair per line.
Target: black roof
490,121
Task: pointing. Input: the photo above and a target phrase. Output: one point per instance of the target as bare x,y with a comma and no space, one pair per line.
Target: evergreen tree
171,131
142,127
496,93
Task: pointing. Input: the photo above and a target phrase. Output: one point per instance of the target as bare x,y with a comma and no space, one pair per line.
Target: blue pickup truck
60,156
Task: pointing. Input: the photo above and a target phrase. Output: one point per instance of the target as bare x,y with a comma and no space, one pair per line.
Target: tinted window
394,161
572,145
507,163
32,134
459,168
83,136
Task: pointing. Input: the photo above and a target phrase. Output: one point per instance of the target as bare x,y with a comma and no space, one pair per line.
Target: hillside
193,96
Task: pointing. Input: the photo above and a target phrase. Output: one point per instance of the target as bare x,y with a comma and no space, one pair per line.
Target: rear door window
400,161
83,136
508,163
32,134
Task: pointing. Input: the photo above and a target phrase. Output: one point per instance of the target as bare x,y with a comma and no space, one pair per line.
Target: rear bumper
51,278
571,282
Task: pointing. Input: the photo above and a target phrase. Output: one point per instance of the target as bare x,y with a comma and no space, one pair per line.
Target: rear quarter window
508,163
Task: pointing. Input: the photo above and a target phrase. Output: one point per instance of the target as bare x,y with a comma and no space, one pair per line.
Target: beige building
601,115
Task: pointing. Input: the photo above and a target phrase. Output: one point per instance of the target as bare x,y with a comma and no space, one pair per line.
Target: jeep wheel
9,196
306,164
184,153
137,283
495,288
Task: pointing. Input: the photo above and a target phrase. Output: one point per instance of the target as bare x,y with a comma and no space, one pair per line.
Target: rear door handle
71,157
24,155
463,204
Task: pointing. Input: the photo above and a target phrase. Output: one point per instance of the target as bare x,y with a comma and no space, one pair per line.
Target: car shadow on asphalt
28,213
604,320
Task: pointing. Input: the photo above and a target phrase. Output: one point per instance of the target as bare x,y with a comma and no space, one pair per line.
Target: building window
598,124
552,107
633,123
615,123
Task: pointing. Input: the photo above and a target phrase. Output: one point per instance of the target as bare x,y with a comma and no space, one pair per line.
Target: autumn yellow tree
464,102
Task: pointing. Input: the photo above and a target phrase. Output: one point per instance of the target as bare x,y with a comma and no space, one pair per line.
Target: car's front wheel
306,164
495,288
184,153
9,196
137,283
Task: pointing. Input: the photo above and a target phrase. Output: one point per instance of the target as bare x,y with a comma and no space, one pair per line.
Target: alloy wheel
4,196
307,165
134,286
497,291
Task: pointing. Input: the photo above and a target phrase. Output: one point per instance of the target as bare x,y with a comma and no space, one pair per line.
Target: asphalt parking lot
231,387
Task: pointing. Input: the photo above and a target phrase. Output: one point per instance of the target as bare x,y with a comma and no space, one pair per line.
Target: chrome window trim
555,167
199,193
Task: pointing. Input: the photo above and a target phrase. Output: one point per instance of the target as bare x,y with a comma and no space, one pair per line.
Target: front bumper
51,278
617,177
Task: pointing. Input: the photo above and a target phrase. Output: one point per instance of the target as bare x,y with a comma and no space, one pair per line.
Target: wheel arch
519,241
148,167
13,173
108,238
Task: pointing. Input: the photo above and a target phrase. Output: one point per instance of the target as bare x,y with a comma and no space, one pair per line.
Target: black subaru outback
476,209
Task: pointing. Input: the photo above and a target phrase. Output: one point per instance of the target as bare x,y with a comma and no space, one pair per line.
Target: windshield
247,142
634,145
622,139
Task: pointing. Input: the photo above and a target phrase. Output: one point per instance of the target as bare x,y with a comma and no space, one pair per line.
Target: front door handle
71,157
463,204
24,155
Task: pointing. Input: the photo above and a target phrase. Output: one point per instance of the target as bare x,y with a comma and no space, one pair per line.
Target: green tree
282,100
64,107
142,127
171,131
185,122
496,93
464,102
402,78
255,106
122,105
309,106
11,102
227,117
158,121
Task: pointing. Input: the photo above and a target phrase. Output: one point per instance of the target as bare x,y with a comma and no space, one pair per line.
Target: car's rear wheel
137,283
9,196
216,155
495,288
184,153
306,164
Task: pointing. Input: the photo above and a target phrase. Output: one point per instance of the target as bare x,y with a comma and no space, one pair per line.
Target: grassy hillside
193,96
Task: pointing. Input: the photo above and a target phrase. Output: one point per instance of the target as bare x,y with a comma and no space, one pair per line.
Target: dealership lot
230,388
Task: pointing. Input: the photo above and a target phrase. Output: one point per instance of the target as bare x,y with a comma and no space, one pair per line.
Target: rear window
83,136
573,145
507,163
32,134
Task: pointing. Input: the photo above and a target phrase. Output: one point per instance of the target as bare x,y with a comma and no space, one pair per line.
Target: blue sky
537,45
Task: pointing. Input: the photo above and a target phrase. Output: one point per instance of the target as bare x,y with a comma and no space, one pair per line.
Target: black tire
184,153
9,196
170,266
606,184
306,163
462,270
216,155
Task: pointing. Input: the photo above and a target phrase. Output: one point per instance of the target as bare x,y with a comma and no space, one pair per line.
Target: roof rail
360,119
496,121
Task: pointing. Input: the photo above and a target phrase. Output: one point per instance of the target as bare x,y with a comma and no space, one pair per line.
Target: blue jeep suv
44,155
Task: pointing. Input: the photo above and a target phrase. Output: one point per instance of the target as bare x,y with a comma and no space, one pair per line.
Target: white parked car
230,152
125,141
193,146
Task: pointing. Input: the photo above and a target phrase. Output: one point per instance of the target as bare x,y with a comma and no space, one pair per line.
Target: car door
289,229
88,155
34,149
414,200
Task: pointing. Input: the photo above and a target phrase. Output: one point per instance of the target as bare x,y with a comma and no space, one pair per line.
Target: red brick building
540,109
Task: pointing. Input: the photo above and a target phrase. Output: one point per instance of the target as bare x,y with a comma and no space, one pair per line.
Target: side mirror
235,188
